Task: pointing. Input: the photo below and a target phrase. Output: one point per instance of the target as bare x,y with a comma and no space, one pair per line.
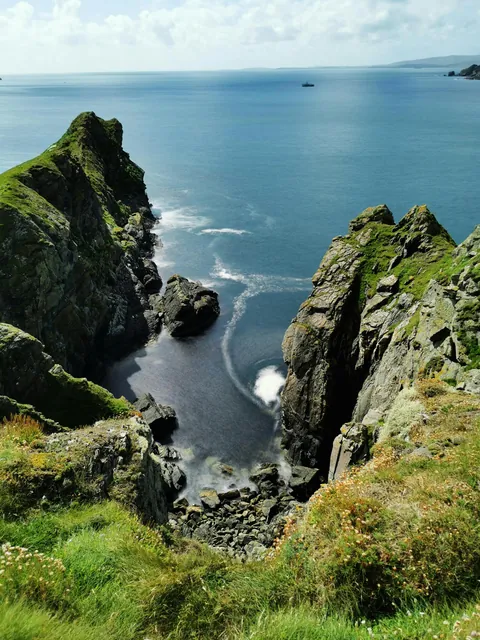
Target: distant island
459,61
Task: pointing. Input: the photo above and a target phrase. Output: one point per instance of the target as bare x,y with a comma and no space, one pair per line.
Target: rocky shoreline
470,73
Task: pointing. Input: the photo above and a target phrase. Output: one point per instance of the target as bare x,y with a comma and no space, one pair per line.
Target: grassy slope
392,549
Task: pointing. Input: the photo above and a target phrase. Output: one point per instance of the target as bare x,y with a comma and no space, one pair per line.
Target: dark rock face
189,308
162,420
472,72
451,74
75,241
390,303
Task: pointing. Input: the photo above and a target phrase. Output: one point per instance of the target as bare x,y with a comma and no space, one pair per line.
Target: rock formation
75,242
391,303
472,72
189,308
29,376
161,419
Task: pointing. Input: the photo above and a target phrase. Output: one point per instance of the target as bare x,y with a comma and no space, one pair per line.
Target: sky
64,36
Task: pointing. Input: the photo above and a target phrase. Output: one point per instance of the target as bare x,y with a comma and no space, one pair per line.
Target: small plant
20,431
32,575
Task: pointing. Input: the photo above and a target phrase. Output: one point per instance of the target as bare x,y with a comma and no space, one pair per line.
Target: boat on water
307,84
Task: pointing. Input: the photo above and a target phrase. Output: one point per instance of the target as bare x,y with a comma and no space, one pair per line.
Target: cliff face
75,239
391,303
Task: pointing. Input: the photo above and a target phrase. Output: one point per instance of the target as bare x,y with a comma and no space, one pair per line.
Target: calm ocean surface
252,177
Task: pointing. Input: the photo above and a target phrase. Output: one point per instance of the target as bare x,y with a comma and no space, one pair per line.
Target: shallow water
252,177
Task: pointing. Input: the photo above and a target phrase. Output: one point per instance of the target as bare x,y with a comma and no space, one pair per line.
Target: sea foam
268,385
226,231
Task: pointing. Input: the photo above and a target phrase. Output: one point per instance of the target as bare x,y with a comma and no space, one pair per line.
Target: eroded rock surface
29,376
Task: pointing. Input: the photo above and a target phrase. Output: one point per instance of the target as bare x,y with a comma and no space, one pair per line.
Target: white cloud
222,33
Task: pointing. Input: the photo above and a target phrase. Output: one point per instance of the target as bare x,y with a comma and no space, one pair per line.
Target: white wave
255,285
170,218
235,232
268,385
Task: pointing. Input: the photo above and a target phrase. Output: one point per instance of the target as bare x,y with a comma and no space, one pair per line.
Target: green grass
392,550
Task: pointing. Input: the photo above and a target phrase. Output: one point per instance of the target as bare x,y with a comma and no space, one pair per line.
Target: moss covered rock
29,376
74,235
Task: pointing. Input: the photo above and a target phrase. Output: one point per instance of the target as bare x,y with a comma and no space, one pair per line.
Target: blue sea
251,176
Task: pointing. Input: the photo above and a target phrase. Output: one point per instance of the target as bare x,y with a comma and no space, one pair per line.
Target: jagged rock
114,459
29,376
350,447
181,504
189,308
351,347
451,74
210,498
76,228
162,420
267,479
174,478
269,508
168,453
304,482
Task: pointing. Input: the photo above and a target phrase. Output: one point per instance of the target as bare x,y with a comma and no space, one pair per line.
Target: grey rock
189,308
350,350
162,420
210,498
231,494
349,448
388,284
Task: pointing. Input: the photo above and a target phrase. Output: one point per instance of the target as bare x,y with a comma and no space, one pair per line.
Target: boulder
388,284
189,308
210,498
174,478
304,482
231,494
161,419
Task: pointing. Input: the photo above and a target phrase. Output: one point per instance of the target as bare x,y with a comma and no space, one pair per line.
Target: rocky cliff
75,242
391,303
471,73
